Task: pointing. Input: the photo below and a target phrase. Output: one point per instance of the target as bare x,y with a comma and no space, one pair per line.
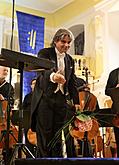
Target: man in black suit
53,87
113,82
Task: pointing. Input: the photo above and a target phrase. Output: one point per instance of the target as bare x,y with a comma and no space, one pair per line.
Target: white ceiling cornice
47,6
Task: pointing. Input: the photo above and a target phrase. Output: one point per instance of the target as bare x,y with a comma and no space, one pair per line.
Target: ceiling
48,6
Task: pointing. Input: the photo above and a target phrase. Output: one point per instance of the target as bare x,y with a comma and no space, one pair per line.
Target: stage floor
68,161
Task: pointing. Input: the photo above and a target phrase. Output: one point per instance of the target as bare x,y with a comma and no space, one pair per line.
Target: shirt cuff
51,77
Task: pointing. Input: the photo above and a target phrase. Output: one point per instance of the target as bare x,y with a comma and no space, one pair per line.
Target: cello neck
86,73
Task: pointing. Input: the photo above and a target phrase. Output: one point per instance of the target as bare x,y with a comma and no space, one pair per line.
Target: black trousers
116,132
51,117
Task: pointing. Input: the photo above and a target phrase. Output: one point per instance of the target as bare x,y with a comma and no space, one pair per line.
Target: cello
87,129
13,132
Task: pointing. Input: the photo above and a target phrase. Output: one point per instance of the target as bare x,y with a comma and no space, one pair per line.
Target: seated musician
6,93
27,108
113,82
6,89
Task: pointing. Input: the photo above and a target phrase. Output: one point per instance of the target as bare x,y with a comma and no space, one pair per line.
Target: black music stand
22,62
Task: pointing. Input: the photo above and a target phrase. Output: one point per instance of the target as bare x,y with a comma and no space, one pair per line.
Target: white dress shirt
61,69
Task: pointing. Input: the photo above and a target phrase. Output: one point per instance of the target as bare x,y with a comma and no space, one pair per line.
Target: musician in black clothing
50,106
6,93
113,82
26,117
28,97
6,89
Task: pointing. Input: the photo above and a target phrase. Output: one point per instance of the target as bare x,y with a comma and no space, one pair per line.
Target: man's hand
117,86
1,97
59,78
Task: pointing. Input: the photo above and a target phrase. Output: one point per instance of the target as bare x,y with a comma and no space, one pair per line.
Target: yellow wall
6,10
72,10
55,19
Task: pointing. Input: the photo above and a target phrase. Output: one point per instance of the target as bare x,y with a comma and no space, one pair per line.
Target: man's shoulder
46,52
114,71
46,49
69,56
8,84
28,95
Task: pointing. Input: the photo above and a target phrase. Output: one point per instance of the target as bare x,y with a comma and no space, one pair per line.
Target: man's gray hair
60,34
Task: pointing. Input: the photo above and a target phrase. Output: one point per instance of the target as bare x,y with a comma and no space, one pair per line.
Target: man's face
63,45
33,85
3,72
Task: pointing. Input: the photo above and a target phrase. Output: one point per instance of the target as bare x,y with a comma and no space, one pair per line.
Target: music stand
22,62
